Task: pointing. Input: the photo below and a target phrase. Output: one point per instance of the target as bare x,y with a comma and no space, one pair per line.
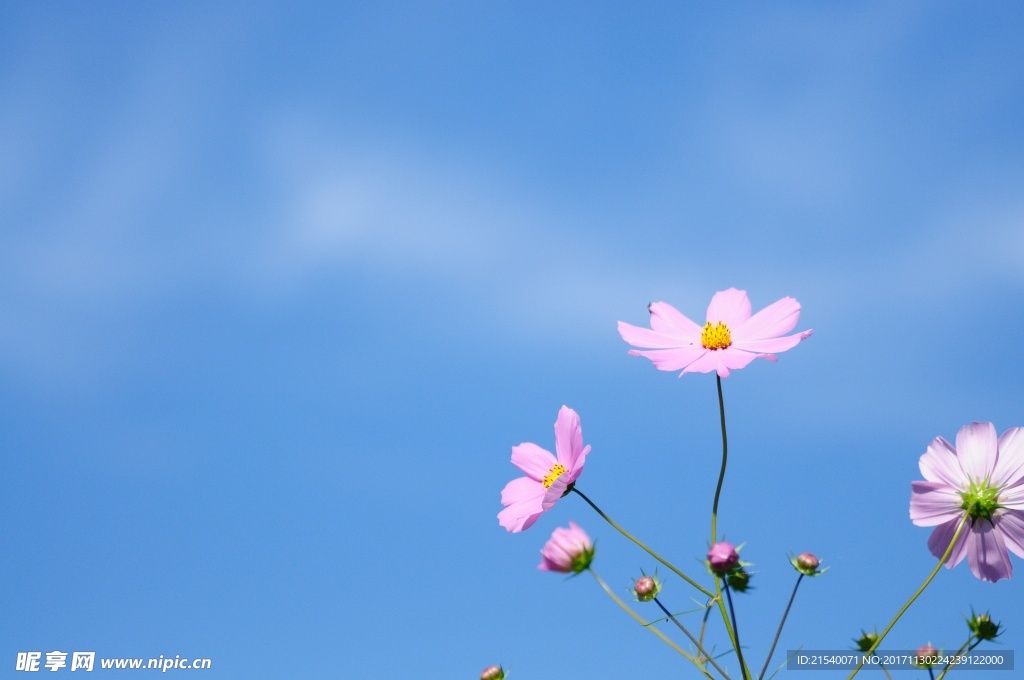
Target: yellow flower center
557,470
715,336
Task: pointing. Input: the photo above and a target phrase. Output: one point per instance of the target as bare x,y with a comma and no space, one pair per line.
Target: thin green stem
917,593
965,648
694,640
639,619
704,620
736,632
725,460
650,552
771,650
714,512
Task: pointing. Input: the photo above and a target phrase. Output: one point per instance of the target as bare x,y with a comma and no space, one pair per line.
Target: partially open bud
492,673
722,557
738,579
806,563
646,588
568,550
926,656
866,641
983,627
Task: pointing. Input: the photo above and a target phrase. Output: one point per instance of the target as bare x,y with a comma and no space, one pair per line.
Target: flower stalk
641,544
917,593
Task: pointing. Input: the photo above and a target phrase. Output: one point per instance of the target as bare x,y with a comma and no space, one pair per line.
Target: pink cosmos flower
730,338
982,478
547,478
568,550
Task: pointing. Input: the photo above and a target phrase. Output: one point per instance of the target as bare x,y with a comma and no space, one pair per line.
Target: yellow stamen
716,336
557,470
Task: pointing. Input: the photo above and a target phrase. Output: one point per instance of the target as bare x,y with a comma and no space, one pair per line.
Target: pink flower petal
1012,498
668,320
940,538
568,437
672,359
731,307
533,460
770,345
776,319
710,361
986,552
645,337
939,463
554,492
1009,470
1011,524
524,499
977,448
732,358
933,503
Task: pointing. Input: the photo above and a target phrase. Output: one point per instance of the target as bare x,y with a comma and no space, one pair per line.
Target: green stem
650,552
771,650
966,647
714,513
639,619
917,593
725,460
736,633
694,640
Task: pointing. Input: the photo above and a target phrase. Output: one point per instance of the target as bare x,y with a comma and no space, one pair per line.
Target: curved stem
639,619
736,632
917,593
725,460
692,639
966,647
650,552
771,650
714,512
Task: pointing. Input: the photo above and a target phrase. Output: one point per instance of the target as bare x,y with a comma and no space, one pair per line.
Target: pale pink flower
547,478
982,478
730,338
568,550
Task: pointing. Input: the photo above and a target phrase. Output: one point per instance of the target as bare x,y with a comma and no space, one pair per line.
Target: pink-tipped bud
567,551
807,564
492,673
723,557
926,656
646,588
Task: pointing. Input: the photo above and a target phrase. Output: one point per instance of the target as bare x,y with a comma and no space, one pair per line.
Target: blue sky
281,285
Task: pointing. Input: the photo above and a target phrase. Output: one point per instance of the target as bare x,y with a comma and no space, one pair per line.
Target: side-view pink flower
568,550
547,478
982,478
730,338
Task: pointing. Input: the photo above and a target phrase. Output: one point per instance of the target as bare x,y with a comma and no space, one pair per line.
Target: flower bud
806,563
866,641
738,579
983,627
492,673
568,550
925,656
646,588
722,557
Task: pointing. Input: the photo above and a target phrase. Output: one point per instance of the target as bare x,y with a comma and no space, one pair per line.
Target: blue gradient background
282,284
